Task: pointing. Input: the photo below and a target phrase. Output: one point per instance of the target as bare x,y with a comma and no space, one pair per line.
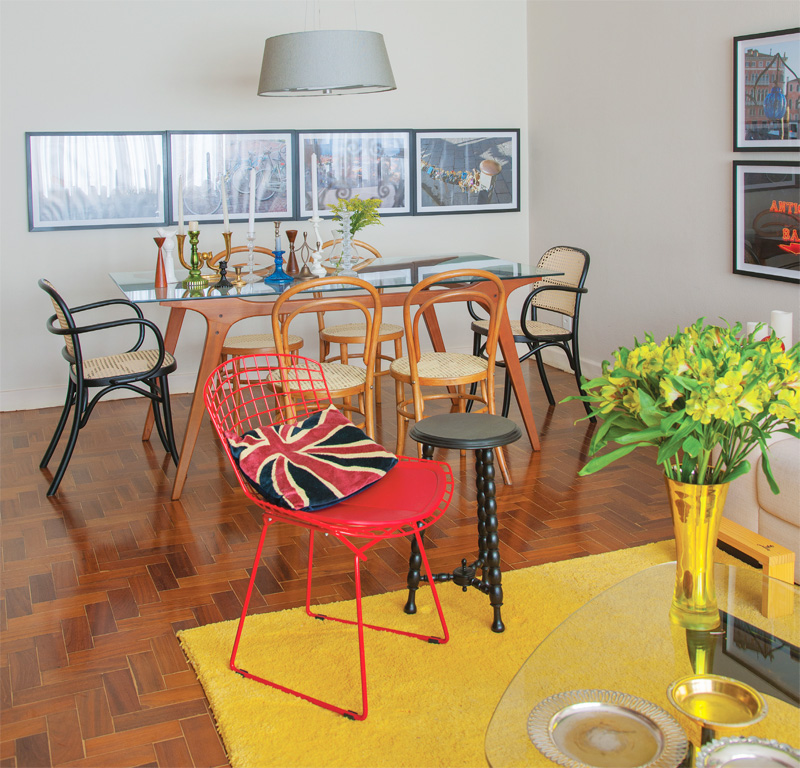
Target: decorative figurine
169,247
305,255
292,267
161,274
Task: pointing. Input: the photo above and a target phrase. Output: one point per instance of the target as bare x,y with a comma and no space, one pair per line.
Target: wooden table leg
216,331
176,315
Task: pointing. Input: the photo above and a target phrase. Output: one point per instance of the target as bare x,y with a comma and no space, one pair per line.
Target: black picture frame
371,164
766,219
96,180
467,171
766,81
208,162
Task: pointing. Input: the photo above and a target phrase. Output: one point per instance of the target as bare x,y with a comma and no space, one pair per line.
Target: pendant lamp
325,62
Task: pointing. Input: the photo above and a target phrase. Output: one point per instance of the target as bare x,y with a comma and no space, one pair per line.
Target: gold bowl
717,701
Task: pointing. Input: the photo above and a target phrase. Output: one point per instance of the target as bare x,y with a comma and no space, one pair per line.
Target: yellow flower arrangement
704,397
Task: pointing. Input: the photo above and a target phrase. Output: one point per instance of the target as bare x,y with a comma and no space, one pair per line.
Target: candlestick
252,222
226,224
181,239
180,206
251,241
277,235
278,275
227,237
195,278
314,193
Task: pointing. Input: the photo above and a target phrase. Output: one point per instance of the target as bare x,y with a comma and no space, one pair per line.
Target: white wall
118,65
630,148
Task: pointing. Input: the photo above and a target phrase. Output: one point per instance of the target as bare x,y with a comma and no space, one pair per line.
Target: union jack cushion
310,465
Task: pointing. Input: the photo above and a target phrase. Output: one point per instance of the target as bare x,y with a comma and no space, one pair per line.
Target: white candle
314,197
226,223
252,222
180,205
781,323
194,226
751,328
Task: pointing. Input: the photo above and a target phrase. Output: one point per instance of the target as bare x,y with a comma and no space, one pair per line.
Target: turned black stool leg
414,564
483,551
484,466
415,559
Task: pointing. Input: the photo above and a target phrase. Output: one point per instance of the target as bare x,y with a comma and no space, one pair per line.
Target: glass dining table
393,275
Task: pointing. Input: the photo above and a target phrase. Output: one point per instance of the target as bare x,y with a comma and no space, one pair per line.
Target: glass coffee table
622,644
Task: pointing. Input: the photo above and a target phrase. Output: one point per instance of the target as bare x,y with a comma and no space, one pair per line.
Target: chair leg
80,397
401,420
543,377
167,406
68,403
576,366
506,394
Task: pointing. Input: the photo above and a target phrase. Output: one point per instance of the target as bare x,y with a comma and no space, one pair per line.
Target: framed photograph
96,180
206,165
767,91
467,171
766,219
370,164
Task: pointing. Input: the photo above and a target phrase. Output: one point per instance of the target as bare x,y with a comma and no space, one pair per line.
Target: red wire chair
248,392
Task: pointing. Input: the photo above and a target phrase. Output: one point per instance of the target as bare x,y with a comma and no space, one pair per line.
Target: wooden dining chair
345,381
455,371
252,343
346,335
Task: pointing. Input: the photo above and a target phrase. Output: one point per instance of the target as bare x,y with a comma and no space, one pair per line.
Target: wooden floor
96,582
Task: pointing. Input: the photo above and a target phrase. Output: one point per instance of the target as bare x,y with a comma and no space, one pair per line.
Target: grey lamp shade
324,62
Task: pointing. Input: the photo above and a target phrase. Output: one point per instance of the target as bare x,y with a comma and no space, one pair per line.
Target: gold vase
696,514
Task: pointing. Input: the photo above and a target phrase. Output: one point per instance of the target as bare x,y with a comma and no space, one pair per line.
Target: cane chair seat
532,328
353,333
100,369
348,379
439,365
256,342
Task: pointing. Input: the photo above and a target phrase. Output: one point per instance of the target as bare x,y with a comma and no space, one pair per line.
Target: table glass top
624,641
387,272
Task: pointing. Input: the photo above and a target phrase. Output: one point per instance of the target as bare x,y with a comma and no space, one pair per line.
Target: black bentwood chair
560,294
124,370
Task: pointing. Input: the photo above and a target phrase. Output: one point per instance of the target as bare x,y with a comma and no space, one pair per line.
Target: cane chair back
142,371
346,335
558,293
248,393
456,371
345,381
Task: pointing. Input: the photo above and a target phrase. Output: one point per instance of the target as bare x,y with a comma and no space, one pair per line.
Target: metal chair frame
240,403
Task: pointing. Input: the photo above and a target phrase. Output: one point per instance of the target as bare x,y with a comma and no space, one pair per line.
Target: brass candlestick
195,278
227,237
181,239
305,255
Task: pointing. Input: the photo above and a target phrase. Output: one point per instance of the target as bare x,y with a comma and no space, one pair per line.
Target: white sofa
752,504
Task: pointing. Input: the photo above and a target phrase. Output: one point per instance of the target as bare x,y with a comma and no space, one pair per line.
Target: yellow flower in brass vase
707,390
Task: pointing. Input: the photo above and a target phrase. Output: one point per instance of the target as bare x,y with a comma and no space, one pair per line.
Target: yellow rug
429,705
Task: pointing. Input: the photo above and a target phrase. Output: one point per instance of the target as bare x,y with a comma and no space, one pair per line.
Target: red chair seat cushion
310,465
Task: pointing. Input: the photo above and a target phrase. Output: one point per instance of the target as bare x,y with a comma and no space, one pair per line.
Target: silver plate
605,729
747,752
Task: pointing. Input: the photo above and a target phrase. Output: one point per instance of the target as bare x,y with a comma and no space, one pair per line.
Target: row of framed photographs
98,180
766,219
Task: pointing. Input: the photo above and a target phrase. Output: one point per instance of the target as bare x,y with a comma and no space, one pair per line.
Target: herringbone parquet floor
96,581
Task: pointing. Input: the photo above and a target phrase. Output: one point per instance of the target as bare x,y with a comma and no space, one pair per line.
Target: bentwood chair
452,370
560,294
347,334
406,501
252,343
143,371
345,381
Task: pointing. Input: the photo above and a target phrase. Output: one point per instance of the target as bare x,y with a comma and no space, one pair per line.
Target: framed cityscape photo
204,164
766,219
467,171
369,164
96,180
767,91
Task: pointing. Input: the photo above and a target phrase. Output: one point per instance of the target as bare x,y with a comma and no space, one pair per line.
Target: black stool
482,433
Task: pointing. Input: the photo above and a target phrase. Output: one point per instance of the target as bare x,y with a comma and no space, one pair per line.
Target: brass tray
747,751
717,701
605,729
